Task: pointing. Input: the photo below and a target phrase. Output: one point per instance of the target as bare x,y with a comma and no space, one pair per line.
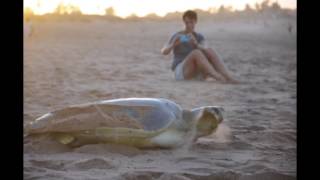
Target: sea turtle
139,122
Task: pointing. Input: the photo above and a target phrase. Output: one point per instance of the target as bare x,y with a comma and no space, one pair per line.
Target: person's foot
219,78
211,79
233,81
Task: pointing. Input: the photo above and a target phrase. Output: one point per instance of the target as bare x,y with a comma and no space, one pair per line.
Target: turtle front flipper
170,138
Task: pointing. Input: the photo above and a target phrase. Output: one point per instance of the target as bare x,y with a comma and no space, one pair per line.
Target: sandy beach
67,63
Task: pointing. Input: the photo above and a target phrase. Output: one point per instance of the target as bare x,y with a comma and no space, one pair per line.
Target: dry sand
78,62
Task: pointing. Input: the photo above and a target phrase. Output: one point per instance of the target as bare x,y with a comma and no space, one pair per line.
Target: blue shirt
183,49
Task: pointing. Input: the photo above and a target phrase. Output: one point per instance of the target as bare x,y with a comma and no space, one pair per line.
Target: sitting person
192,59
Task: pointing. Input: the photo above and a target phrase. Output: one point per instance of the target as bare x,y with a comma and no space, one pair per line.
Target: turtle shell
149,114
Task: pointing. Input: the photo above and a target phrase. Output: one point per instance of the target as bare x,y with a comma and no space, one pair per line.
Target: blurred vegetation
264,10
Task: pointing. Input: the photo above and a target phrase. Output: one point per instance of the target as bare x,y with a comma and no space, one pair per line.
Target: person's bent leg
218,64
196,61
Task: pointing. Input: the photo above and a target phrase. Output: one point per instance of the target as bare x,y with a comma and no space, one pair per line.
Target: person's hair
190,14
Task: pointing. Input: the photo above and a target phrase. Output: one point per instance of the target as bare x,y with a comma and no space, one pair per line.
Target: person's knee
197,53
209,49
211,52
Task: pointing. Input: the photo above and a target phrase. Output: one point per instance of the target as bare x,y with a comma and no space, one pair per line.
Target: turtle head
207,119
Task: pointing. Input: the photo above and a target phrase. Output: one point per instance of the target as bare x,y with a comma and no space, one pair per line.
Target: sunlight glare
140,8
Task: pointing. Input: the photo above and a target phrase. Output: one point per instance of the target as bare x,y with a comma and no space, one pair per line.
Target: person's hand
176,41
193,40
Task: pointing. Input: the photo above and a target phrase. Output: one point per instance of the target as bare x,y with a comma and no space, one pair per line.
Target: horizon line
210,10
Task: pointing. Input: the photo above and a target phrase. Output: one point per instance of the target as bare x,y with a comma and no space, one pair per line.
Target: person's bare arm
199,45
202,45
167,48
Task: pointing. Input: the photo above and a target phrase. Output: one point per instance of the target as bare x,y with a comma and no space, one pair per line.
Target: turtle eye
218,113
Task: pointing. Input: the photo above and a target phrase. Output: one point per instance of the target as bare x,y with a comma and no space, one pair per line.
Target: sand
68,63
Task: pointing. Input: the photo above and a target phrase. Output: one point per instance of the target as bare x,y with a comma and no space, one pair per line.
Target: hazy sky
125,8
